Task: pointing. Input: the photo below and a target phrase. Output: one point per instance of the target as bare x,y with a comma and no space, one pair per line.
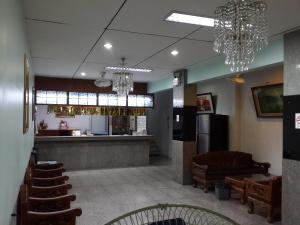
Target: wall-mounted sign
297,120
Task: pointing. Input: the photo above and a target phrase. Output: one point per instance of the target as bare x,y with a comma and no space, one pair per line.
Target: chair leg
270,216
205,188
250,206
195,184
243,198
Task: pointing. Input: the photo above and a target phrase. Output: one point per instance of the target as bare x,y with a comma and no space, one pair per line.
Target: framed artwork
205,103
26,96
268,100
33,106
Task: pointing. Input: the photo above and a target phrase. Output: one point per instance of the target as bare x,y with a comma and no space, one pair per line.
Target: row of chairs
44,199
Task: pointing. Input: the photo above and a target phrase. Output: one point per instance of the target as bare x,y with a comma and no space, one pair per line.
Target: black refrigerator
212,133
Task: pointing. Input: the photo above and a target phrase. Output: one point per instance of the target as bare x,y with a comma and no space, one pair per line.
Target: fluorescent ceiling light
174,52
108,45
190,19
83,74
128,69
298,66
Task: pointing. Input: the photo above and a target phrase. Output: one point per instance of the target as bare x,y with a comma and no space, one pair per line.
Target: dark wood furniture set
244,175
44,199
212,167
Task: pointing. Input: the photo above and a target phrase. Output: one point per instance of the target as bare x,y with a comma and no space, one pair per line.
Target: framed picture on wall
268,100
205,103
33,106
26,96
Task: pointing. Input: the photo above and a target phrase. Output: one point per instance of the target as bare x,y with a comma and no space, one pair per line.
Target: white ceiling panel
58,49
55,68
204,34
94,13
190,52
147,16
93,70
135,47
283,15
62,42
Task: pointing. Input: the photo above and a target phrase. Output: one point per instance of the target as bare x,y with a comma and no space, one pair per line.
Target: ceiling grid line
158,35
98,39
180,39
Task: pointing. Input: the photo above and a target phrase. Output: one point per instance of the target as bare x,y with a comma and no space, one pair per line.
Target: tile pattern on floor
106,194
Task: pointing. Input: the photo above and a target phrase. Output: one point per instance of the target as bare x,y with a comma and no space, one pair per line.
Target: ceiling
66,37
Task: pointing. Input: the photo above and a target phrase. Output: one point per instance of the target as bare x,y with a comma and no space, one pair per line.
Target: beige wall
261,136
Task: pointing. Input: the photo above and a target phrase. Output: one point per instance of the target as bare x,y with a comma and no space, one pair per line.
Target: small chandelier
122,80
240,31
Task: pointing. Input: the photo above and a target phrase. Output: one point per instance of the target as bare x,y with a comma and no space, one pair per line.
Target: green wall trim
160,85
272,54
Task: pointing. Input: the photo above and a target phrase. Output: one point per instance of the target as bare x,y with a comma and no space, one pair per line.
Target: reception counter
95,152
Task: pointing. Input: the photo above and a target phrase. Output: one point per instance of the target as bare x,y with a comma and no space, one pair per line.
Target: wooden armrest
52,181
58,217
50,204
48,166
48,173
64,197
203,167
51,191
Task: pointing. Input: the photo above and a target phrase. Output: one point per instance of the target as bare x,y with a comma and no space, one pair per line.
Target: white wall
82,122
226,103
159,122
15,147
261,136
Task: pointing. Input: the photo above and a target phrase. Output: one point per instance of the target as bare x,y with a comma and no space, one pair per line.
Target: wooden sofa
211,167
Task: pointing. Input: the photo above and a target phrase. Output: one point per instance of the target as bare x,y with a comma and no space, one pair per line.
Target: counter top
93,138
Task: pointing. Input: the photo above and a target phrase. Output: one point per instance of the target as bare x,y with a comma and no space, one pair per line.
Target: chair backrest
224,159
26,217
65,217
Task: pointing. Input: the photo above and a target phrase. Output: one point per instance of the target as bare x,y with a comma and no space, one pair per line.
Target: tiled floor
106,194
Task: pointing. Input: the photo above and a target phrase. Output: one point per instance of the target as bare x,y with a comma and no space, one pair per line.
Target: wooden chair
48,173
267,193
45,182
46,187
45,170
54,211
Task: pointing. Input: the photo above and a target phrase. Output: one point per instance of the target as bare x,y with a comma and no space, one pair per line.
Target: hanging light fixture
240,31
102,81
122,80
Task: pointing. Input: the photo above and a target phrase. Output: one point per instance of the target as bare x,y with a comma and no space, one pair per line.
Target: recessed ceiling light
108,45
298,66
174,52
83,74
191,19
128,69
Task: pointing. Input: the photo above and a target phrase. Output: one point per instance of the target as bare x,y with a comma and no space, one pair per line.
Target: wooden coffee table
238,183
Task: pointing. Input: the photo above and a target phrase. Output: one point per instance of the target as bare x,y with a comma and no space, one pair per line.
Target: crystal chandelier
122,81
240,31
